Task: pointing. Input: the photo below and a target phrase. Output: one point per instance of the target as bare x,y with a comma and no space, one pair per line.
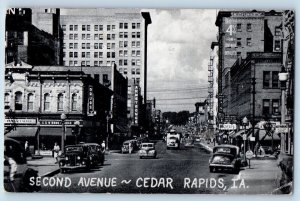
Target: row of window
134,62
277,44
101,45
134,71
101,36
239,28
18,101
122,62
74,27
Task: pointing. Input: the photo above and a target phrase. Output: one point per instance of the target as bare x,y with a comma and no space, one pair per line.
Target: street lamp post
107,129
283,77
245,122
38,124
63,118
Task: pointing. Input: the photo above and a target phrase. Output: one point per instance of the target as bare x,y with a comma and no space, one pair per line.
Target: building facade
242,32
36,97
103,37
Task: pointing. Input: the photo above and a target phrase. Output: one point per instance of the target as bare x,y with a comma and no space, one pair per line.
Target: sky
178,55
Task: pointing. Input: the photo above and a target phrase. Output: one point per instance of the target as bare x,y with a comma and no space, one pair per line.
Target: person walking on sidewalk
56,150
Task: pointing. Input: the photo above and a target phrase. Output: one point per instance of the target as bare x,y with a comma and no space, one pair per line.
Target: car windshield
227,150
220,159
126,144
147,145
71,149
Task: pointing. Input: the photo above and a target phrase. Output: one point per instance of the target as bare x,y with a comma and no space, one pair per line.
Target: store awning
264,137
22,132
54,131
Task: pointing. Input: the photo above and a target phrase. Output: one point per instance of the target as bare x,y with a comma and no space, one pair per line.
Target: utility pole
253,104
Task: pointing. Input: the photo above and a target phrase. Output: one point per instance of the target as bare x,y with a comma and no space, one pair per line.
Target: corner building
103,37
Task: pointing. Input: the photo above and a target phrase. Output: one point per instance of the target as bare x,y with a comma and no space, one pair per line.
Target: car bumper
221,166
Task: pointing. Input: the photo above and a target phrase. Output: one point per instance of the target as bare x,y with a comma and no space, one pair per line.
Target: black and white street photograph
149,101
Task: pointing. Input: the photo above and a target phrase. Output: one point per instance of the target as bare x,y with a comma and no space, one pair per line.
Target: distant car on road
147,150
225,157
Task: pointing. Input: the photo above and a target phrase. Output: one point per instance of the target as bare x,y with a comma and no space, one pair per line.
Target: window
71,27
6,101
277,31
108,46
138,25
275,79
138,53
18,101
88,46
125,62
46,102
88,63
63,27
96,36
133,62
74,102
96,27
71,36
138,44
30,100
76,27
96,46
100,45
238,42
125,53
83,27
248,41
75,45
266,79
100,27
108,37
120,62
95,63
266,106
83,54
121,35
83,63
120,25
133,35
75,54
83,36
70,63
100,54
113,46
70,45
133,26
88,27
113,36
239,27
75,36
121,44
96,54
138,71
100,36
71,54
275,106
125,71
75,63
133,44
88,55
125,43
133,53
83,45
125,25
249,27
133,71
138,62
60,102
125,34
108,54
138,34
113,55
88,36
277,45
108,27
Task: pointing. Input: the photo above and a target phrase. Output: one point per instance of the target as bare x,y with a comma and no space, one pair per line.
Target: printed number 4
230,29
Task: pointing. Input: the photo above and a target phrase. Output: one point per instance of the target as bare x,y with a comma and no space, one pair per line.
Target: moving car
80,156
16,171
147,151
129,144
225,157
97,152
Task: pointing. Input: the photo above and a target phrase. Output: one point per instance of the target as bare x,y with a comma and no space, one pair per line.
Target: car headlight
67,158
78,157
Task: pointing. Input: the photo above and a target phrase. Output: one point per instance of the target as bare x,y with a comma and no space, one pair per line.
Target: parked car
225,157
80,156
97,152
16,172
147,151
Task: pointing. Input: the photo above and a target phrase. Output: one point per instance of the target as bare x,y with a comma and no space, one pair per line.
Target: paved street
187,163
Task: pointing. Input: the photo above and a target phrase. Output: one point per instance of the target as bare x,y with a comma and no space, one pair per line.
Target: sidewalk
263,176
45,166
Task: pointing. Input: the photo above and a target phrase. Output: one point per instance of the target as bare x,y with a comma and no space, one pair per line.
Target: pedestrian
26,148
130,147
103,146
56,150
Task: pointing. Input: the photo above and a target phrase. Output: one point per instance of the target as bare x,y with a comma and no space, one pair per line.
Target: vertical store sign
90,101
136,104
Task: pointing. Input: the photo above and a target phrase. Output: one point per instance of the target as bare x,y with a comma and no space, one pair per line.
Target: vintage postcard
177,101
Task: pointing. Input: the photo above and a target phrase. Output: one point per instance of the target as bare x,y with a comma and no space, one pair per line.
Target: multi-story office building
241,32
103,37
213,85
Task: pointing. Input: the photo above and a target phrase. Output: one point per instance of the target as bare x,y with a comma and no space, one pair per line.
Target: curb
206,147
